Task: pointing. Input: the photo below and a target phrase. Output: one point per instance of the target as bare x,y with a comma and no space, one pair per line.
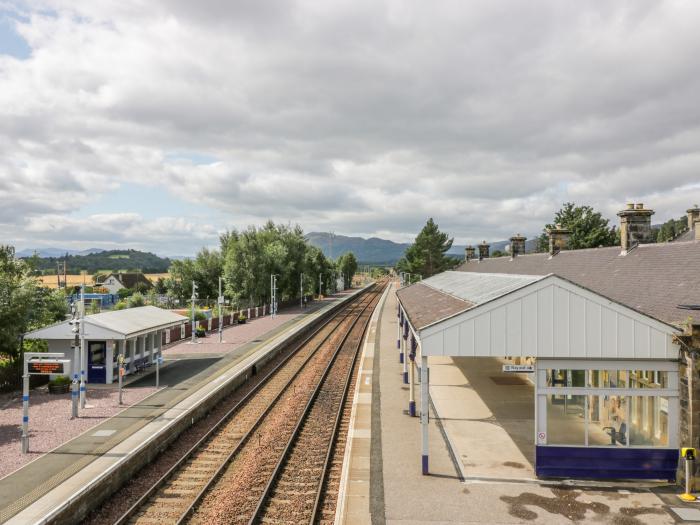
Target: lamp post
83,357
221,314
320,284
194,296
273,294
301,291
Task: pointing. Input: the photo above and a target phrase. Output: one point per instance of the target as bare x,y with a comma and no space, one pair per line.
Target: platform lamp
194,297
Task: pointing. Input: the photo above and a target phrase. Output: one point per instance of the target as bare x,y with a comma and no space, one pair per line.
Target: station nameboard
45,367
519,368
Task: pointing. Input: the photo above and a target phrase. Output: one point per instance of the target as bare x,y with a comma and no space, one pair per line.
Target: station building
137,333
612,336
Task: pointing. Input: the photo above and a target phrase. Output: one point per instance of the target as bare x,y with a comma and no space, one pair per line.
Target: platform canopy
118,324
484,315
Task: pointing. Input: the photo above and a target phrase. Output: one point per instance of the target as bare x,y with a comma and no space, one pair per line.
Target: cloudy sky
157,124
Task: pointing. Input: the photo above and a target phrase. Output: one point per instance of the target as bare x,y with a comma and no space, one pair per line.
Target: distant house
116,281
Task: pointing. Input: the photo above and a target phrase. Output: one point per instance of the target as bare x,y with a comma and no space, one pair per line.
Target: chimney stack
635,226
484,250
693,218
469,253
558,238
517,245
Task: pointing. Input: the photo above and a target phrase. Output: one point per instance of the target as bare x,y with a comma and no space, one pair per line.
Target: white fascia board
534,287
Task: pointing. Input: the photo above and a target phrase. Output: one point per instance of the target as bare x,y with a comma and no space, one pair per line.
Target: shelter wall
556,319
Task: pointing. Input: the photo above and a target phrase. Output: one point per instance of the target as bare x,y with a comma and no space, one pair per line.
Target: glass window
566,420
564,378
97,353
607,421
649,421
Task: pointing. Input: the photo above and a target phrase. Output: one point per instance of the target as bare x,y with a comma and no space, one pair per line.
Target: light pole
221,315
193,337
320,284
301,291
74,389
273,294
83,357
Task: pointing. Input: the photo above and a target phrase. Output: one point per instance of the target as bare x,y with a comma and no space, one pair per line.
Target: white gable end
551,318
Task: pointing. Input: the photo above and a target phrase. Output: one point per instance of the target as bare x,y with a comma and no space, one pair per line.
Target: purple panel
606,463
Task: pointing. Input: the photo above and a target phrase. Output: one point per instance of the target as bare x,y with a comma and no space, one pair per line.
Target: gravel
49,421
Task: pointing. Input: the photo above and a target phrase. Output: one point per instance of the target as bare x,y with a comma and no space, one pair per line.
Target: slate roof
130,280
449,293
653,279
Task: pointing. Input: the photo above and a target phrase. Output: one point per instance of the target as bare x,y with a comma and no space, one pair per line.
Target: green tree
589,229
347,266
24,305
427,255
671,229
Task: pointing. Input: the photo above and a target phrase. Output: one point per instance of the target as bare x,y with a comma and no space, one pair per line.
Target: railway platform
383,480
41,490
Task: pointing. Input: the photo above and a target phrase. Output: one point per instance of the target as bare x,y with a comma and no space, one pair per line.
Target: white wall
551,318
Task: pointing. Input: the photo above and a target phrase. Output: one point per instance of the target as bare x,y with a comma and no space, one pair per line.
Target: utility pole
221,315
74,388
194,296
320,284
301,291
83,357
273,295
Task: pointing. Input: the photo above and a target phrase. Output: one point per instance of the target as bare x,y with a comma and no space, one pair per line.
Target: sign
519,368
221,299
541,438
44,367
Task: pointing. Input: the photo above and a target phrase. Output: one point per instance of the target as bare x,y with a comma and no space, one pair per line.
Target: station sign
46,366
519,368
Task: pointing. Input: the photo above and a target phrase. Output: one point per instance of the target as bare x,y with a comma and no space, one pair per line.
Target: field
50,281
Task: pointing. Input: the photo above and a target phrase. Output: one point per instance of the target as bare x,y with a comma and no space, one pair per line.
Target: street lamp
273,294
193,338
220,300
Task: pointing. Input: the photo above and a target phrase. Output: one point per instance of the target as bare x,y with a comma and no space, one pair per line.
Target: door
97,362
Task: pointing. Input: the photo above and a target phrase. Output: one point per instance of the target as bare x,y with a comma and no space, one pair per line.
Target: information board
45,367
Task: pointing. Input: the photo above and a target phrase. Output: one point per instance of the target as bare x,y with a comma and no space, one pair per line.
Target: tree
589,229
24,305
427,255
671,229
347,266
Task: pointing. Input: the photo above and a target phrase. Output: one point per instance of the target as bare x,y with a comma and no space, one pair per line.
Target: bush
121,305
124,293
200,332
136,300
60,380
200,316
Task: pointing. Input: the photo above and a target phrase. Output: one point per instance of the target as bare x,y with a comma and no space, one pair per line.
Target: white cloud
359,117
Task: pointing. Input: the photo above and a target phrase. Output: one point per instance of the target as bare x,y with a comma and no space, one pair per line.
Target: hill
382,251
110,260
55,252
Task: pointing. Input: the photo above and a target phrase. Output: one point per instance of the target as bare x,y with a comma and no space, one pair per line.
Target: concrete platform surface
41,486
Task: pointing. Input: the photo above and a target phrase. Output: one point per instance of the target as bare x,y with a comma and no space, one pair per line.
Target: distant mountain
106,261
56,252
383,251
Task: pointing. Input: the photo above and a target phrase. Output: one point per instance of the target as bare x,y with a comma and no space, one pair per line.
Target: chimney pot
484,250
558,238
517,245
635,226
693,218
630,205
469,253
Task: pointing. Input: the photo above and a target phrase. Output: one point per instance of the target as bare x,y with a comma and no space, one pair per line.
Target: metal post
221,315
120,369
320,284
301,291
404,360
193,338
25,408
158,357
411,387
83,356
75,386
424,412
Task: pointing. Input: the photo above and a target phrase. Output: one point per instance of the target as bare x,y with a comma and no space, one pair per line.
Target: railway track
246,429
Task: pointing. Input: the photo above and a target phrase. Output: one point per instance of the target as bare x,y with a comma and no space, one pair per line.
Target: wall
689,375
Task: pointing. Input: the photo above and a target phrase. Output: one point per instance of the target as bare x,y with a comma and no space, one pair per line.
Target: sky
159,124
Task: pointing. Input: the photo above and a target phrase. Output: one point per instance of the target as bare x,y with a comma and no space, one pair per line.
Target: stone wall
689,377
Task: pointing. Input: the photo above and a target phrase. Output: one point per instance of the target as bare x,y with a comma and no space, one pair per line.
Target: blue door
97,362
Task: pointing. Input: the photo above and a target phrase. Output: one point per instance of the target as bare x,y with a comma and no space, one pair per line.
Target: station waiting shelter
606,376
137,333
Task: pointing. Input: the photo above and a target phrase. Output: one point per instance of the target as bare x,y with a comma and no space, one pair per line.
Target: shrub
124,293
136,300
60,380
121,305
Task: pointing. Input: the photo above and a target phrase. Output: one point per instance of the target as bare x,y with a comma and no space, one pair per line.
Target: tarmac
184,382
481,448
